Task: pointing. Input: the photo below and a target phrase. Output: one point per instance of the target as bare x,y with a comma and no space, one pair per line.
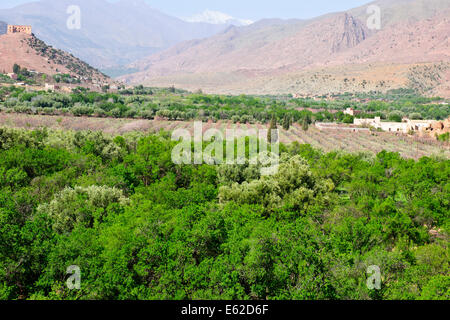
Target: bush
395,116
293,187
81,206
82,110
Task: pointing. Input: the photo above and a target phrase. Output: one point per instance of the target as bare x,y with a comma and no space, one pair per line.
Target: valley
330,140
215,155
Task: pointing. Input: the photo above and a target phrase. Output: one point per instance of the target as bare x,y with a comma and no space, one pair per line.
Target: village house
49,87
352,112
66,89
405,126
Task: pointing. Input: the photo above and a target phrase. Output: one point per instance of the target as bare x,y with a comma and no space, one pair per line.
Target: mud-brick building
19,29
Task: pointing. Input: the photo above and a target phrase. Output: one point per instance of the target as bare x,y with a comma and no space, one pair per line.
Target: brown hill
396,11
259,51
31,53
330,54
408,42
113,33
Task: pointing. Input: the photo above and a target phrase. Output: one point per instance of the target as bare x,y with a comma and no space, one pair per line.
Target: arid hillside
330,54
406,42
31,53
257,51
112,33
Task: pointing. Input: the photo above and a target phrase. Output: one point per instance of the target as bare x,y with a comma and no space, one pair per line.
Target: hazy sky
248,9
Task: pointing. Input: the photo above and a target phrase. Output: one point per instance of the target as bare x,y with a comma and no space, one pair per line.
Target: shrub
81,206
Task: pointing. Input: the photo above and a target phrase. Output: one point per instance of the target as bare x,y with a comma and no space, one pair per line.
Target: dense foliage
174,104
141,227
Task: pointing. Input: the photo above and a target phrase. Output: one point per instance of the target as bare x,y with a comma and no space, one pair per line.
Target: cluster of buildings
55,87
423,127
405,126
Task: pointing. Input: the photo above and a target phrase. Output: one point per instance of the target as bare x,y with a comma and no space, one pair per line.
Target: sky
244,9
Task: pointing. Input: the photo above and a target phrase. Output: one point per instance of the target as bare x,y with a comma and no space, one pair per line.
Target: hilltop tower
19,29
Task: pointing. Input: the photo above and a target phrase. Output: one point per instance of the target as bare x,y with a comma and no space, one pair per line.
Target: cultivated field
327,140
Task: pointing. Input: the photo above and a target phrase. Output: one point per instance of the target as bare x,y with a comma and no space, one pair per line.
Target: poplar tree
272,135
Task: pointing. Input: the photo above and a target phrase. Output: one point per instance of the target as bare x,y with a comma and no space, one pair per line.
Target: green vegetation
175,104
141,227
395,116
272,135
5,79
404,101
23,75
444,137
75,65
65,78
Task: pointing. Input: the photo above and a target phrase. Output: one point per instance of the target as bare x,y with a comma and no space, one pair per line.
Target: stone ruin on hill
19,29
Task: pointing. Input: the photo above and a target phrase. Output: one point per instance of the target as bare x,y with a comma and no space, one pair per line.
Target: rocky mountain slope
34,54
111,33
330,54
396,11
238,49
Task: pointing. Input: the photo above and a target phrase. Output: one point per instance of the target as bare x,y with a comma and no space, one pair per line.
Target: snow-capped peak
216,17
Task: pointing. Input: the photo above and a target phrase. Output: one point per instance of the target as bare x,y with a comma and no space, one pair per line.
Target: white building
351,112
404,127
49,87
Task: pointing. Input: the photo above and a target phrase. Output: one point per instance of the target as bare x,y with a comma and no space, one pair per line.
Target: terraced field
327,140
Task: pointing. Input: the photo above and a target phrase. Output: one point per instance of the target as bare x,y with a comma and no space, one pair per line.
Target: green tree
287,121
272,134
84,206
305,124
16,68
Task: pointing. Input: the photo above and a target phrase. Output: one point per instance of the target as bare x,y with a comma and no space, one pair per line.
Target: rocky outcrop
349,33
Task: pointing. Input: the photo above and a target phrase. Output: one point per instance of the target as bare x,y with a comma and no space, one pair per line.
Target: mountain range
329,54
334,53
112,33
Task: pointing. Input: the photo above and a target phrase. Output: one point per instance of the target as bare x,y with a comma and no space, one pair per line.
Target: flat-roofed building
19,29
